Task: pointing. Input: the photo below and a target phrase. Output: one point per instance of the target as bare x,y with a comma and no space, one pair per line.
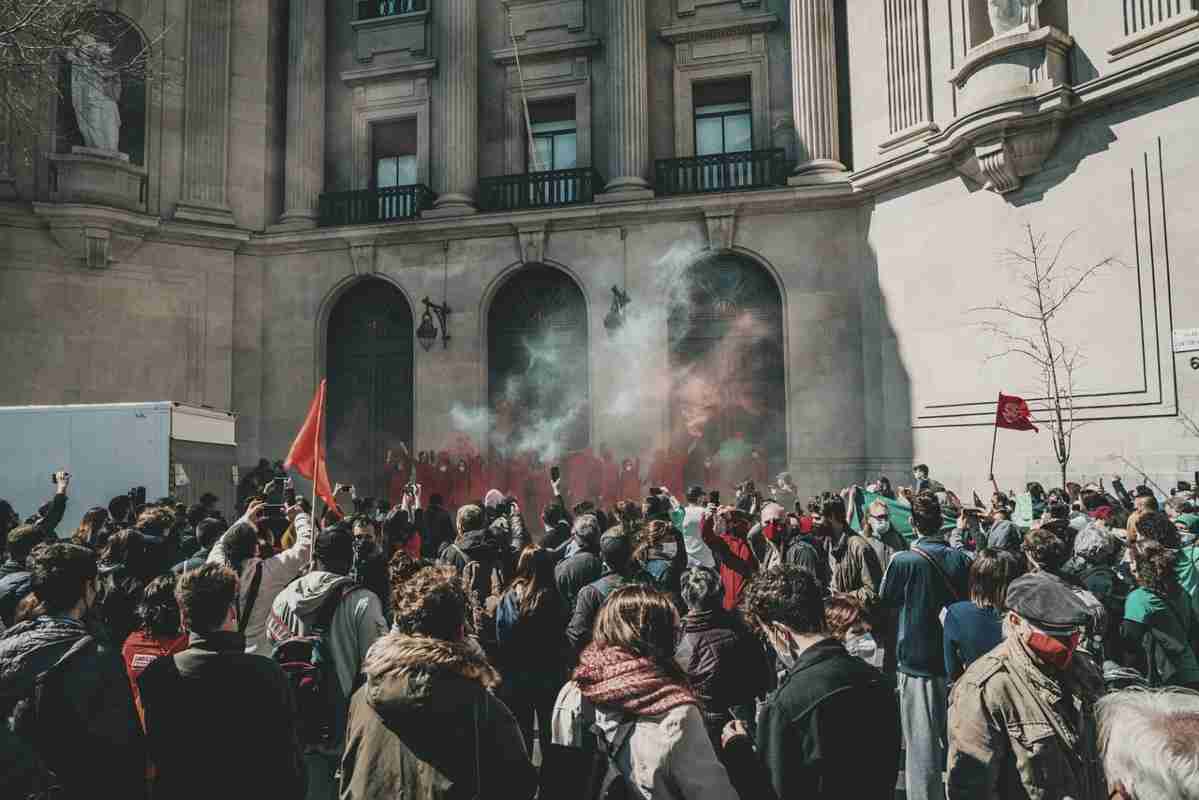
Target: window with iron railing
723,124
555,141
373,9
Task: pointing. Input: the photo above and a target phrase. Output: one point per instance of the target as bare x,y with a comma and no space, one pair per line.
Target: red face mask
1052,651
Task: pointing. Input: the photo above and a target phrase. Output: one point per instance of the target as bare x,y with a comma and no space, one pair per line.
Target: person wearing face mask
831,729
1022,719
83,734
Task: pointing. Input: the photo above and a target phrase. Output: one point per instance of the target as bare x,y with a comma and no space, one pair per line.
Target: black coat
831,730
221,723
572,574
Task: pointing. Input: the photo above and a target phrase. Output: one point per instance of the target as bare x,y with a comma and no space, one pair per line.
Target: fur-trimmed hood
415,675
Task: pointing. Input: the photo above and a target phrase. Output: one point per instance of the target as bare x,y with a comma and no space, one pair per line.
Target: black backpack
307,663
588,773
26,775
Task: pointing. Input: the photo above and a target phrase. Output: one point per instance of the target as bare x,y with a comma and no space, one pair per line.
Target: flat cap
1048,603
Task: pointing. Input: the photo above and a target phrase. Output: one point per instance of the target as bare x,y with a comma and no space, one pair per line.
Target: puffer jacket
856,570
726,665
1016,731
426,726
277,571
87,718
666,756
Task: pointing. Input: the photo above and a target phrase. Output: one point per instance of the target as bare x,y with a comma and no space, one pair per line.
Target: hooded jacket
277,571
427,727
87,717
478,546
357,621
857,570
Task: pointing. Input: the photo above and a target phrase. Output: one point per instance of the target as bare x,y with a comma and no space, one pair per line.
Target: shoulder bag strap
324,616
243,613
945,578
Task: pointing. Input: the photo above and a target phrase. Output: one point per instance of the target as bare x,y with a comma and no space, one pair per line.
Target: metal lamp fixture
614,319
426,333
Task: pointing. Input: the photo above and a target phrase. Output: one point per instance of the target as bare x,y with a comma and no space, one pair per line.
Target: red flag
305,454
1012,412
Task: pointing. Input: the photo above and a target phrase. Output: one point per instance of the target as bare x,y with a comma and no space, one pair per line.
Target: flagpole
994,438
316,466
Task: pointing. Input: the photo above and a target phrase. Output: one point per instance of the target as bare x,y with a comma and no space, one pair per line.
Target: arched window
368,363
537,360
726,355
128,59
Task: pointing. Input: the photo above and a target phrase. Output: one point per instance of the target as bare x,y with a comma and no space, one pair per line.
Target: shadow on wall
887,384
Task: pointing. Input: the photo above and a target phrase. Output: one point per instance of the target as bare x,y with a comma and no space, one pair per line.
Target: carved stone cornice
96,235
506,56
718,28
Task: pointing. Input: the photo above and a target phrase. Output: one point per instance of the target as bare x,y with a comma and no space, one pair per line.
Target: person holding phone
689,518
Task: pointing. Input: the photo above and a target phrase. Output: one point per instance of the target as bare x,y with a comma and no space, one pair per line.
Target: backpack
307,664
609,783
659,575
26,775
588,772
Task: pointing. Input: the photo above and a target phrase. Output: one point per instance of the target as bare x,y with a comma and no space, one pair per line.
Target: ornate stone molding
1011,66
530,242
722,227
97,177
362,255
686,8
506,56
719,28
94,235
544,16
396,36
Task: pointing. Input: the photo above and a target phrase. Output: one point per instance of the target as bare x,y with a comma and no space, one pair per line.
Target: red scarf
612,676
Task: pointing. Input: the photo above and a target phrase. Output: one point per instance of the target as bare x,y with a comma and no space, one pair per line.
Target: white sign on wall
1186,340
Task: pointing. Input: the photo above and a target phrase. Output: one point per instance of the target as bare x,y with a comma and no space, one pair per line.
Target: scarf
612,676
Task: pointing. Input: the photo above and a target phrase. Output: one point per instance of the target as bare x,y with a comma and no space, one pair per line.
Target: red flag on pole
1012,413
306,454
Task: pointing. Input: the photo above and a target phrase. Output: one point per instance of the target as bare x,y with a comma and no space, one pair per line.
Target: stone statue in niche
95,92
1008,16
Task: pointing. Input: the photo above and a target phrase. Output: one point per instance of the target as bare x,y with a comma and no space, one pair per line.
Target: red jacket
140,649
736,560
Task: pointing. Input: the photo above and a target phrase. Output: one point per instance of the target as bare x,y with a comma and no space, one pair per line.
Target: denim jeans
923,708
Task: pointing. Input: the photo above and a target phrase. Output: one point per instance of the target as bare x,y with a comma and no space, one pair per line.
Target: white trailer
109,448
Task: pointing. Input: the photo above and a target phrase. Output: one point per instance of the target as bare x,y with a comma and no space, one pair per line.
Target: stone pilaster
305,168
814,92
206,114
460,83
628,131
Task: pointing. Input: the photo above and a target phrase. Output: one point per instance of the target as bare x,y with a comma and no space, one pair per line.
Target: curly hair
432,603
1046,548
155,520
701,588
403,566
158,611
1155,567
842,612
926,514
786,594
1156,526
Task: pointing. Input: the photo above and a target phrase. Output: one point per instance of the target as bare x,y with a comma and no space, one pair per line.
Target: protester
974,627
1093,568
475,545
661,551
208,532
1161,627
348,618
159,633
724,661
847,622
813,738
1148,743
920,582
880,532
1021,719
533,652
584,565
78,732
220,722
16,579
629,685
125,569
426,725
687,519
725,533
371,555
856,569
88,533
259,580
620,569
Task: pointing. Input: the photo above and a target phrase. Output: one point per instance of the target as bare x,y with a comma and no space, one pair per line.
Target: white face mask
864,646
880,527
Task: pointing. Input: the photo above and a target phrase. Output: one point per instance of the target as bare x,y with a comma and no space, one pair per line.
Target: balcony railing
558,187
374,205
373,9
722,172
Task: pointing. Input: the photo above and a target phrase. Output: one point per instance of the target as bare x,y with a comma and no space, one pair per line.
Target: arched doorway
368,362
728,389
537,362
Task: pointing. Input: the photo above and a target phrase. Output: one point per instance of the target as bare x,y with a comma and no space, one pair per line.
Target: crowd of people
1044,644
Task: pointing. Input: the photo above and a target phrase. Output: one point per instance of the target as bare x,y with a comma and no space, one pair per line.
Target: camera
555,473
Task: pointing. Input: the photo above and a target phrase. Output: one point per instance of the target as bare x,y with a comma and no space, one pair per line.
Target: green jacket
1016,731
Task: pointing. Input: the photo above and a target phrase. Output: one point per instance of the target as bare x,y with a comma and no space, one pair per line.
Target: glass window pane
385,173
405,170
543,148
737,133
565,151
708,138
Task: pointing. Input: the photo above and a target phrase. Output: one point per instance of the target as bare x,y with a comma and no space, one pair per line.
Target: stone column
628,130
814,92
206,126
460,84
8,179
305,167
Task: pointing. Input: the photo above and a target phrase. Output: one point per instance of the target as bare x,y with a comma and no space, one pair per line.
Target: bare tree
36,39
1027,327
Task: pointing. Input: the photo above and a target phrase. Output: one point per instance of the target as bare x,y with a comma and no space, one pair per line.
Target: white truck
109,448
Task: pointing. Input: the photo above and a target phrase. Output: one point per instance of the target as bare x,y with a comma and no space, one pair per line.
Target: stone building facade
803,199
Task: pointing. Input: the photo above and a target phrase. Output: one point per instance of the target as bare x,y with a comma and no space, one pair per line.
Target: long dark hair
89,527
158,612
1155,567
535,580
